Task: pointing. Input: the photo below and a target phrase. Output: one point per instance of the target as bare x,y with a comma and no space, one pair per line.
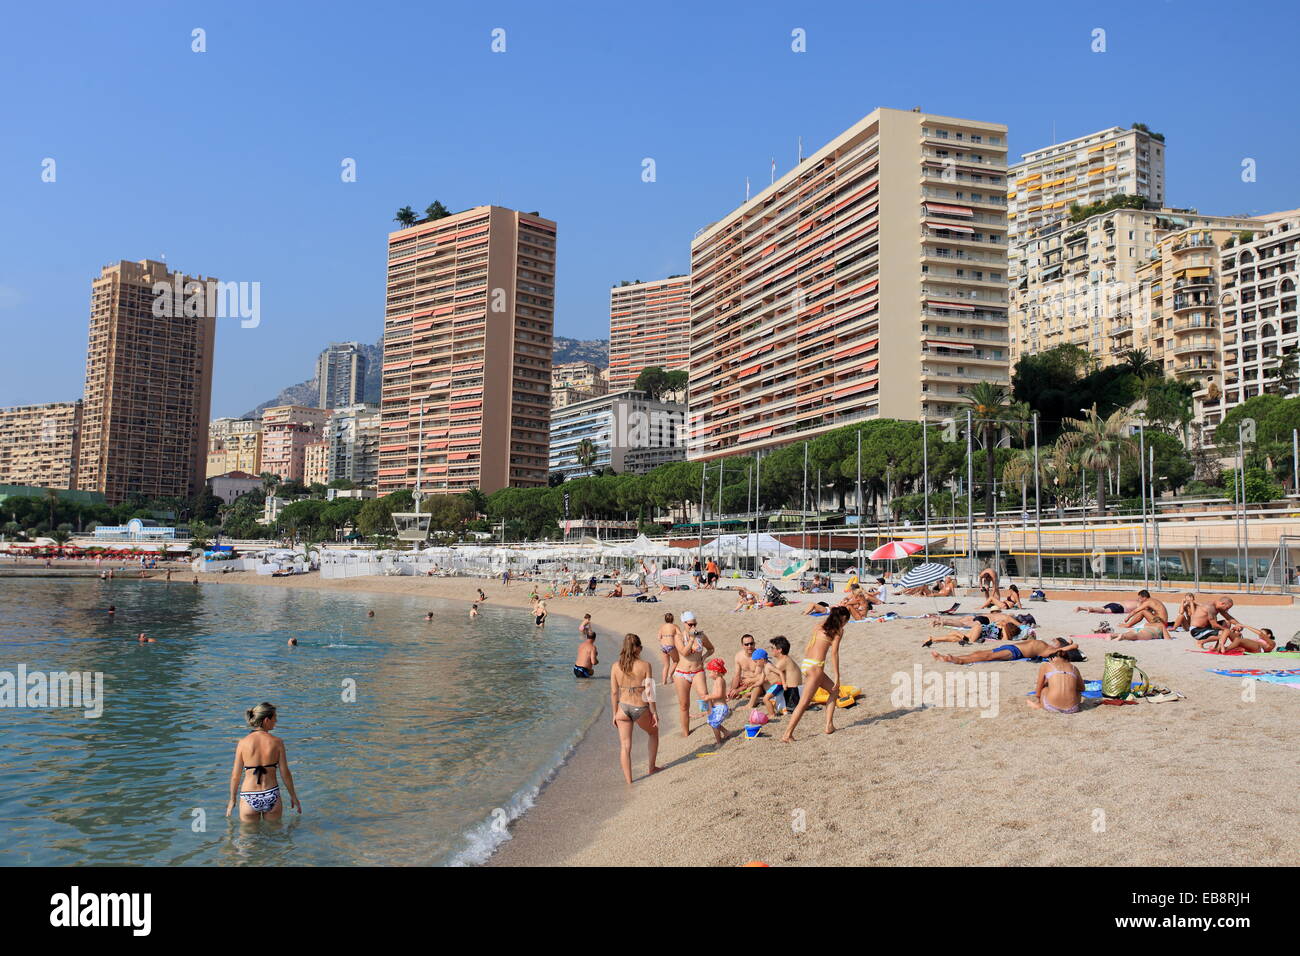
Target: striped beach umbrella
925,574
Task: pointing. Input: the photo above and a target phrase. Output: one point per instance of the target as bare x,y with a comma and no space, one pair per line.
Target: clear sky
228,162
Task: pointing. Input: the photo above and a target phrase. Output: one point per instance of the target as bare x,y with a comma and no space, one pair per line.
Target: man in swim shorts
585,665
1019,651
1114,607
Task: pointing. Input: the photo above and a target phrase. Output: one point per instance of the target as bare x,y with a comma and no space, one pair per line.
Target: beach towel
1073,636
1239,652
1289,677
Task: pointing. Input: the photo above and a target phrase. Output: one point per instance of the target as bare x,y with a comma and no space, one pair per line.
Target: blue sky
228,161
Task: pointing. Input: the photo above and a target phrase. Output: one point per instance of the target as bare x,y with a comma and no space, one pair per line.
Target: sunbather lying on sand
1019,651
979,628
1232,638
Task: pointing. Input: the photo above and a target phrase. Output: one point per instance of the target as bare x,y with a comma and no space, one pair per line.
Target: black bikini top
260,771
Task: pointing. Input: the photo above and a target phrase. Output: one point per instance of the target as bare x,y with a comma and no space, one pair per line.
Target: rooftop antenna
773,179
801,149
746,189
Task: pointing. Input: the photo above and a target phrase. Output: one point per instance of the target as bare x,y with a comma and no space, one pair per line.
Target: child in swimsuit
1059,681
716,699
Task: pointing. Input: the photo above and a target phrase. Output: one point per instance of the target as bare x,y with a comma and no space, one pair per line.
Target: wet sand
1209,780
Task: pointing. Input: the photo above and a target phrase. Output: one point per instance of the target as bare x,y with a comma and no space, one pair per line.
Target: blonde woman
261,754
632,702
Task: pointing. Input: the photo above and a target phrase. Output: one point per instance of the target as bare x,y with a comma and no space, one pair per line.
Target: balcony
1196,369
1201,345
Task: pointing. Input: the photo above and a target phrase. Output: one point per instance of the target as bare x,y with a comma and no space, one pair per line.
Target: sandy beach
1210,780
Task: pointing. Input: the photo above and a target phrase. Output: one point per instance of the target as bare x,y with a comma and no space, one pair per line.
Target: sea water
411,742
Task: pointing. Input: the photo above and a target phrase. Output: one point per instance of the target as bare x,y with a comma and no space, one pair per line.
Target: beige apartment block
148,386
287,430
316,463
352,434
1085,170
467,353
870,280
234,444
1076,283
1259,306
584,375
39,445
649,325
1180,321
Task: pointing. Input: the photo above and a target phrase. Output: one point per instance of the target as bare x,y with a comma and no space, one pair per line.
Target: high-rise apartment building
649,325
1259,274
287,430
1077,283
467,352
1179,320
39,445
352,434
234,444
868,281
341,375
148,383
1088,169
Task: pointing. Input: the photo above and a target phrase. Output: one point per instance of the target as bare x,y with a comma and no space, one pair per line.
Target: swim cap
759,655
688,615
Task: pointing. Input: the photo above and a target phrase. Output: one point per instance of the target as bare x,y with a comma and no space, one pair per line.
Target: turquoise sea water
455,726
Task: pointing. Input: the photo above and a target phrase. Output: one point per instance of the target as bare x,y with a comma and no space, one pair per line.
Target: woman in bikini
261,754
824,646
692,650
632,701
668,632
1060,686
1232,638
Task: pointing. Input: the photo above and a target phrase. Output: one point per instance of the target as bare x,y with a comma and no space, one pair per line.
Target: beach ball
758,717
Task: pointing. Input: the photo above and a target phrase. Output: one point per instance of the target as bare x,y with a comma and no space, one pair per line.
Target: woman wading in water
261,754
824,646
632,700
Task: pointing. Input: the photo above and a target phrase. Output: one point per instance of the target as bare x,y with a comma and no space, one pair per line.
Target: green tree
436,210
405,216
989,404
1097,443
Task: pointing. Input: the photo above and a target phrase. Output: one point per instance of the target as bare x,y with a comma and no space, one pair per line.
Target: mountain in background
595,351
307,393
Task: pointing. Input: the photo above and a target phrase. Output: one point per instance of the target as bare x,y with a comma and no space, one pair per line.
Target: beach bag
1117,676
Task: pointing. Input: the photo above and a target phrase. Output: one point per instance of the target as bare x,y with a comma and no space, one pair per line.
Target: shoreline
1197,781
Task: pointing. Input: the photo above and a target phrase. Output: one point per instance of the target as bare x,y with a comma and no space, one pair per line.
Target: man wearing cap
749,670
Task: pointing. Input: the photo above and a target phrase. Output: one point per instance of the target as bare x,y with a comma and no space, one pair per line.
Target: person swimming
262,754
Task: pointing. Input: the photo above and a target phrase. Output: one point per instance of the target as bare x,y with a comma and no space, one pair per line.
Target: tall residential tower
148,385
870,280
467,353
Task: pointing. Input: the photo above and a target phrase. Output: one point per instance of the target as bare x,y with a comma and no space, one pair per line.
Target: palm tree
1060,470
406,216
60,537
989,406
52,499
586,454
1140,364
269,482
1097,442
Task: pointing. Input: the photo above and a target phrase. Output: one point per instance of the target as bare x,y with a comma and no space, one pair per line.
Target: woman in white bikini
632,701
692,650
668,632
824,646
261,754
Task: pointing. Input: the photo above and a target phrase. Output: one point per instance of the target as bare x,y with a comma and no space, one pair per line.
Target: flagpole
970,514
925,487
1038,506
858,556
804,510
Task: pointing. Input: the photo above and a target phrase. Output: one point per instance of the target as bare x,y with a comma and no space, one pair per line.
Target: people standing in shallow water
259,757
